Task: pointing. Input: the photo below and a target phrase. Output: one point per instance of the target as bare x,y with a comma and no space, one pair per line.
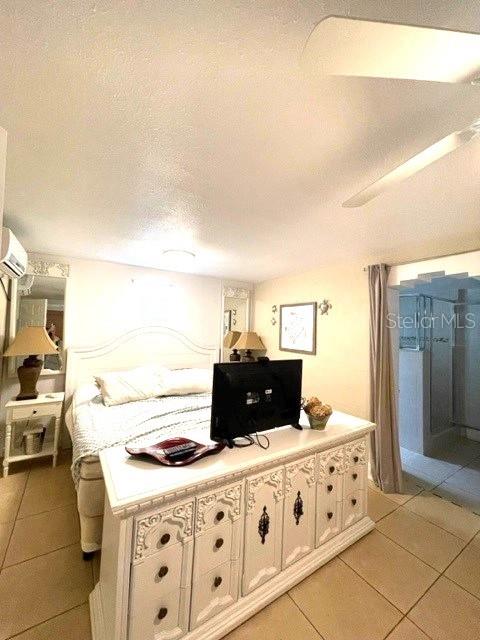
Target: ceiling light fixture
179,254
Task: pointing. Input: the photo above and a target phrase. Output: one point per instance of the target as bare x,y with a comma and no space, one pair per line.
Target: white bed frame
145,345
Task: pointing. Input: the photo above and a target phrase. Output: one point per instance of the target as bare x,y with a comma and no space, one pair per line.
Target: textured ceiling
136,126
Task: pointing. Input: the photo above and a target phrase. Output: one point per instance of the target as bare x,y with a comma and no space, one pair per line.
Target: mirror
236,313
38,299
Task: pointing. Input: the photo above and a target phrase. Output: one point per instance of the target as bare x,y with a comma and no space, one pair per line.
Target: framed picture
227,321
298,327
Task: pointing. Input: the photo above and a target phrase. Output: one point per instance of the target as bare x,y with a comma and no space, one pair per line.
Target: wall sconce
324,307
274,310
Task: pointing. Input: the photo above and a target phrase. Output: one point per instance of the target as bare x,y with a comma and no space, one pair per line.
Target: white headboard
146,345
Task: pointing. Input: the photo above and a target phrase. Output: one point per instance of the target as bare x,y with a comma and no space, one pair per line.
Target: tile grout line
303,612
418,557
445,479
40,513
370,585
436,524
442,574
3,567
417,627
57,615
41,555
15,520
400,622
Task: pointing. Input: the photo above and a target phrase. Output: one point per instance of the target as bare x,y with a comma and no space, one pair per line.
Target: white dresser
192,552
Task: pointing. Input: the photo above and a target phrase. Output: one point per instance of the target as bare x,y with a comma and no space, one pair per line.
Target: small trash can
32,440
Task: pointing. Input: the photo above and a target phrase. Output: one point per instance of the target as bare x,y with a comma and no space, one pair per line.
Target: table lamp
249,340
27,341
229,340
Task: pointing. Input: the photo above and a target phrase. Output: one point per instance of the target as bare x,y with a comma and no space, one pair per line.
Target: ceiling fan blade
413,165
353,47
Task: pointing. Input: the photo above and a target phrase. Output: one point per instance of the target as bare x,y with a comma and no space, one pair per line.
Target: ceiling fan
364,48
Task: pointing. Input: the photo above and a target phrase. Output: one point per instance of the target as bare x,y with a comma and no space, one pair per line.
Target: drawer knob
219,543
34,411
331,469
354,476
163,572
217,582
330,515
330,488
165,538
220,515
355,459
162,613
354,501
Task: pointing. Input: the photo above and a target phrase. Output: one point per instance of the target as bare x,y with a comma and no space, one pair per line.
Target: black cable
240,445
262,435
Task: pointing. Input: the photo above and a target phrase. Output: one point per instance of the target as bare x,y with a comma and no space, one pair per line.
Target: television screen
249,397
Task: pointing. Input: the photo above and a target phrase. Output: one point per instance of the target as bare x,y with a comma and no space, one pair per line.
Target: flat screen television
249,397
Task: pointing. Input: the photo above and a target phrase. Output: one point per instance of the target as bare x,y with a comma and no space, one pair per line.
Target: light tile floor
416,577
453,474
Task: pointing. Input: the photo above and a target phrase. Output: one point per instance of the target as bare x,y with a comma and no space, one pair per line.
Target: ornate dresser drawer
217,507
263,528
354,507
356,452
355,478
159,608
215,590
160,530
213,548
298,510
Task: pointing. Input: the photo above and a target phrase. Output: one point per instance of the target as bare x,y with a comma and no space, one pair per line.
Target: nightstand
46,405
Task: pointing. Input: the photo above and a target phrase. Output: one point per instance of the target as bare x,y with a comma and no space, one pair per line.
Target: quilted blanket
96,427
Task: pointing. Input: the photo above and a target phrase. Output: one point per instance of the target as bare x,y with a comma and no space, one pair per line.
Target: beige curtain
386,463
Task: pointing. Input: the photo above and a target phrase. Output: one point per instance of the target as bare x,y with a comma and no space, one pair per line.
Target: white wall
4,279
339,373
106,299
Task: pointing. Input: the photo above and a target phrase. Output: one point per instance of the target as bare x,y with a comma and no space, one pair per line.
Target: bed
94,427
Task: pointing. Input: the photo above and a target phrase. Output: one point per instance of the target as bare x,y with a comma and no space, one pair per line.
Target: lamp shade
249,340
31,341
230,339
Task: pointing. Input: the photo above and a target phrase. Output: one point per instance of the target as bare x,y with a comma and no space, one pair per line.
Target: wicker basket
318,423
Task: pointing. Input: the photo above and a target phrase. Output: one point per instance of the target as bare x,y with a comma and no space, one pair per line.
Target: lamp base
247,356
235,356
28,375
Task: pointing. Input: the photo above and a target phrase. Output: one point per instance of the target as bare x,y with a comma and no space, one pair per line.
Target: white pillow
119,387
181,382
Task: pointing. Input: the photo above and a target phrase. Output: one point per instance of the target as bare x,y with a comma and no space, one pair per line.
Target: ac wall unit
13,257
